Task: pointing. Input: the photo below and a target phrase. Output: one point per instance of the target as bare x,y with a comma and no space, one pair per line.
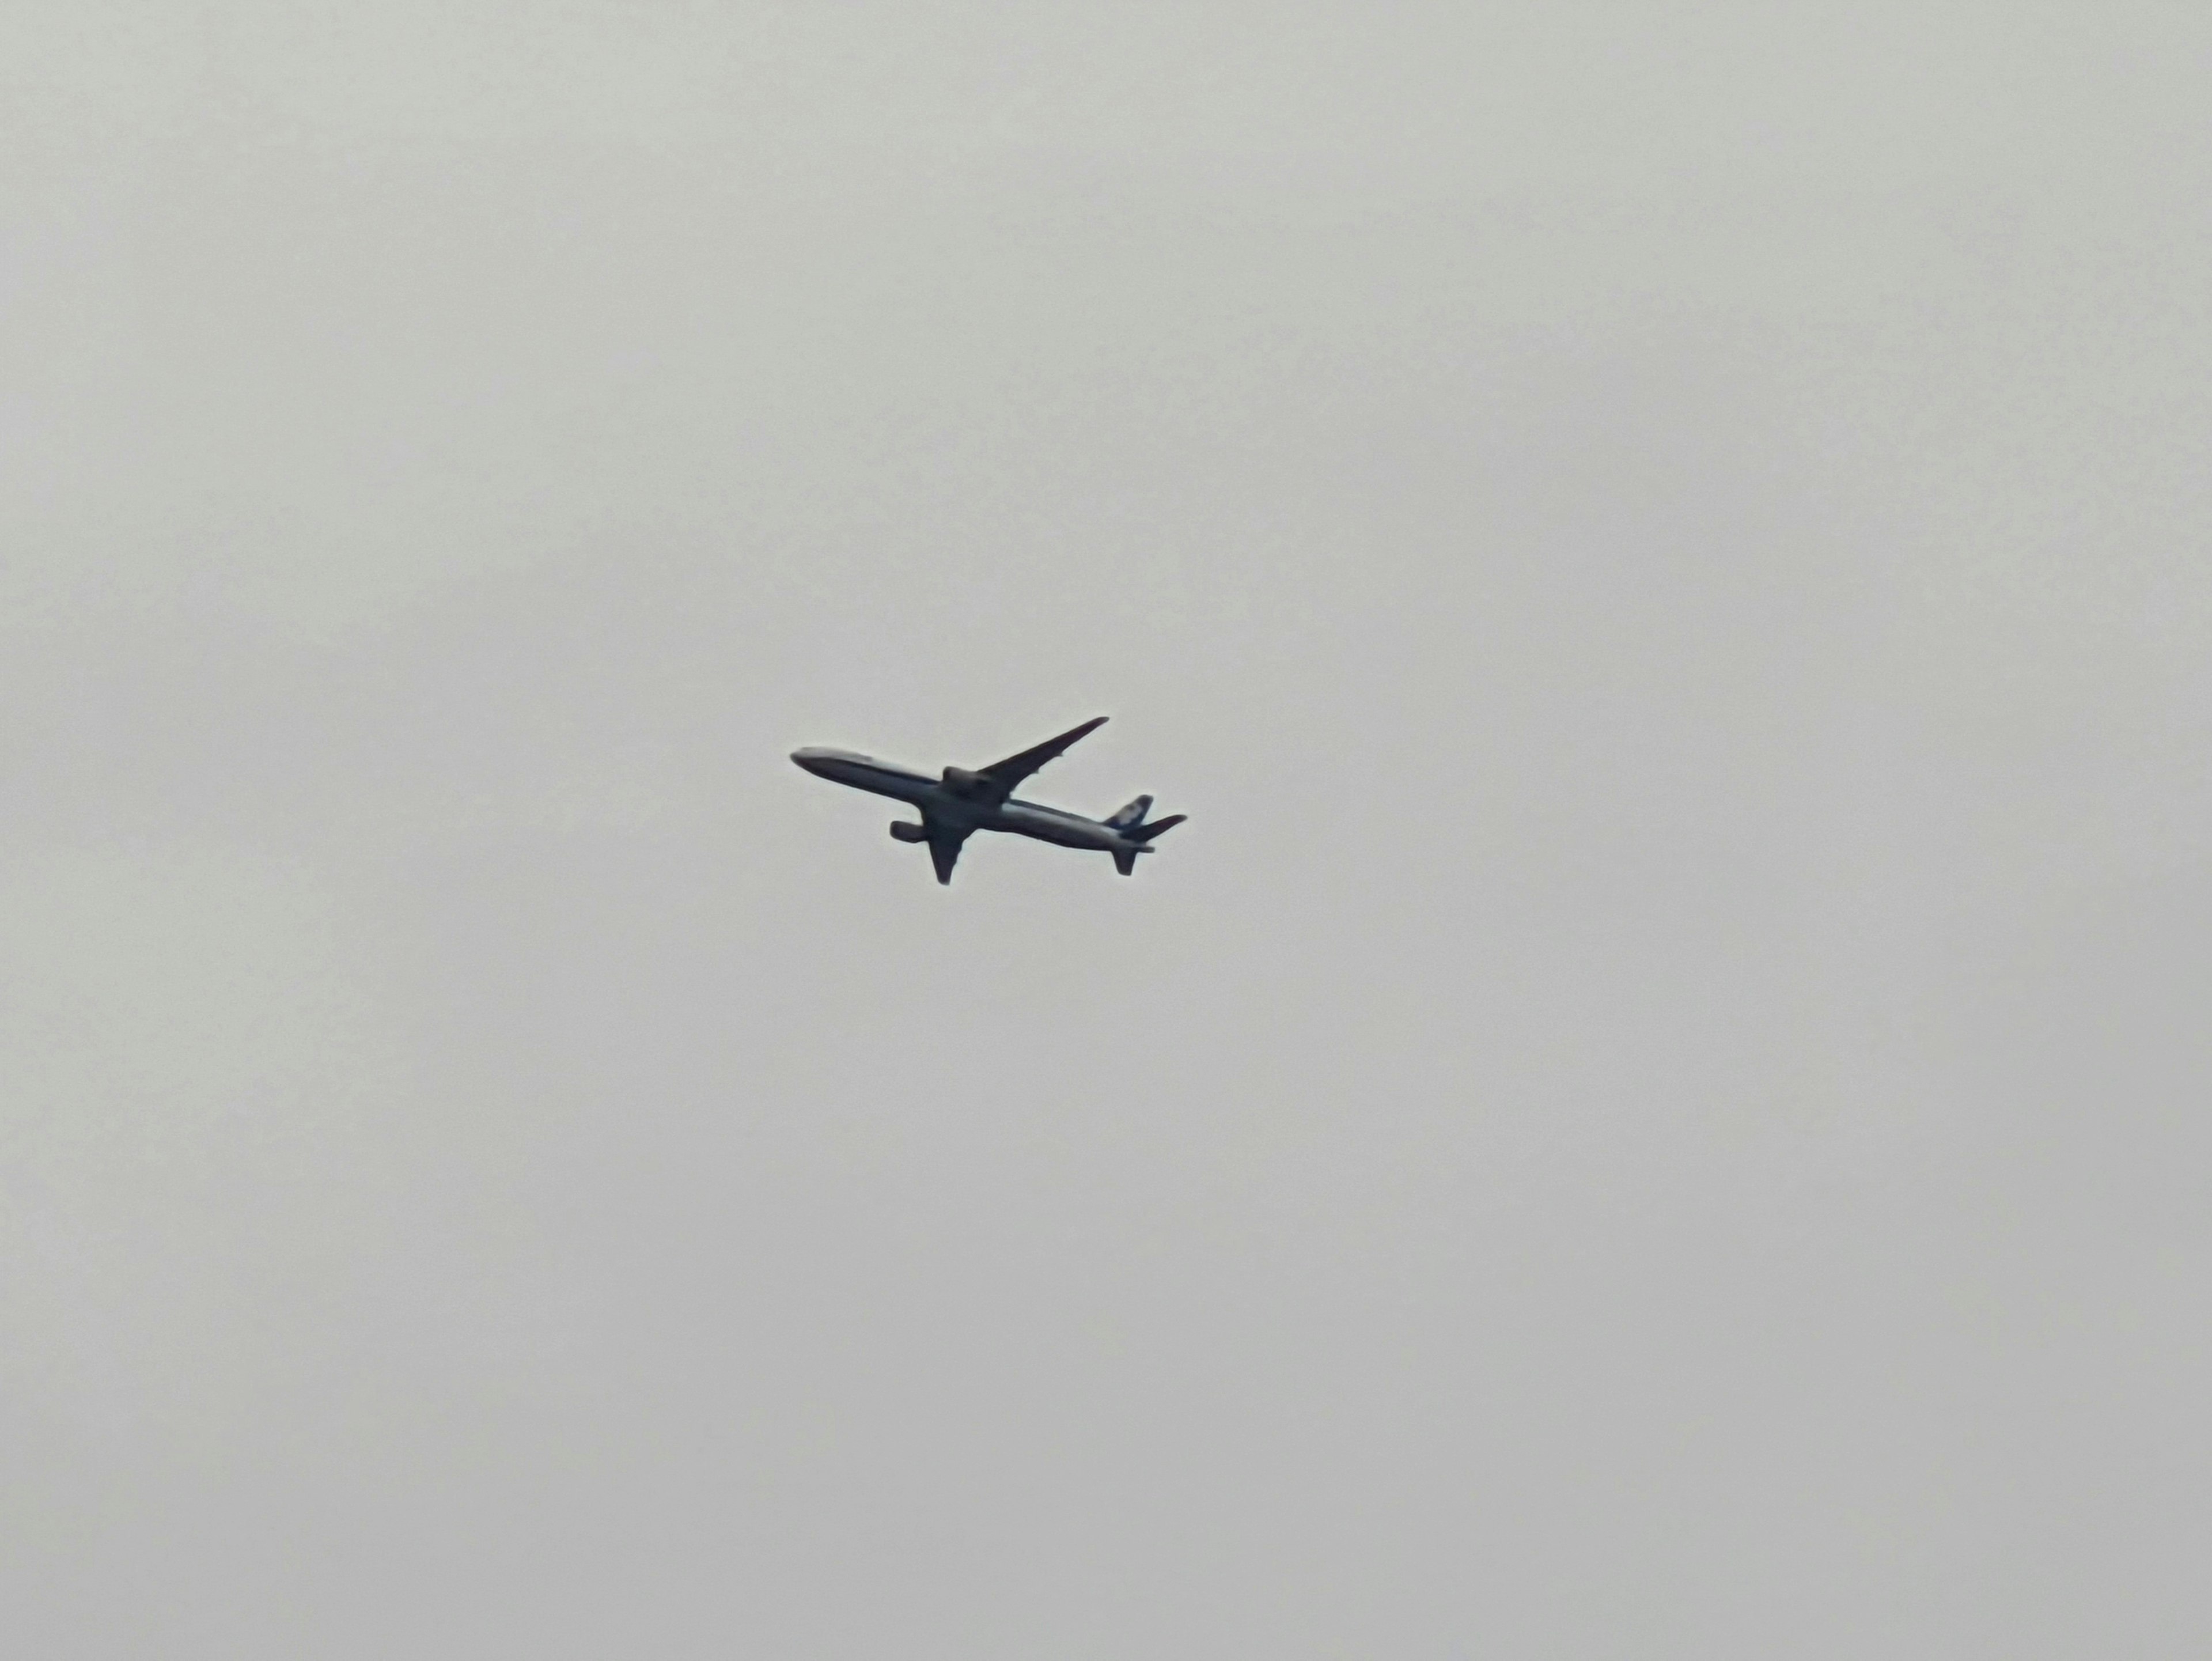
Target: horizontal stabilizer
1146,832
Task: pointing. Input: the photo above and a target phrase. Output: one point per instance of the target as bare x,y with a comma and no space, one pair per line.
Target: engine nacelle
908,830
961,782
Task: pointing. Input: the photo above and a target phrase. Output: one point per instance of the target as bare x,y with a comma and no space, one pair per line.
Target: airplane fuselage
943,801
962,800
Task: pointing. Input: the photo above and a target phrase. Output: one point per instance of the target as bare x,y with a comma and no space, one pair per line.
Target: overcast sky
1657,1108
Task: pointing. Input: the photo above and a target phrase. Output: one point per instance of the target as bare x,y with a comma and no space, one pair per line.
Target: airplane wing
1008,774
945,851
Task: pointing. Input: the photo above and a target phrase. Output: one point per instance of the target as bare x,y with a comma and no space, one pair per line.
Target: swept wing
944,850
1005,776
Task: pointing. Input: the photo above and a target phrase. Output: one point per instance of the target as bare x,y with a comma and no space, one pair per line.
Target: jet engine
908,830
961,782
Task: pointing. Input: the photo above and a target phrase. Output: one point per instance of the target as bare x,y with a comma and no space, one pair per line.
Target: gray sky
1656,1110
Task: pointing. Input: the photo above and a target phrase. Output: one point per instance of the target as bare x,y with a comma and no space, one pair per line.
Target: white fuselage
942,803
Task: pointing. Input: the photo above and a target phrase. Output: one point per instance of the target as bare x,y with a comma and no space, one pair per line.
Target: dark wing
1008,774
944,850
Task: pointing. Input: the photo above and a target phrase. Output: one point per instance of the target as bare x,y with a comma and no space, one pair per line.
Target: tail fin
1158,827
1128,818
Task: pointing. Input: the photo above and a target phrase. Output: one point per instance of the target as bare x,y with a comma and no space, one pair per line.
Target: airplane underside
962,802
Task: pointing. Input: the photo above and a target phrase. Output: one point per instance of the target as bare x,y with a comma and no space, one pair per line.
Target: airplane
961,802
